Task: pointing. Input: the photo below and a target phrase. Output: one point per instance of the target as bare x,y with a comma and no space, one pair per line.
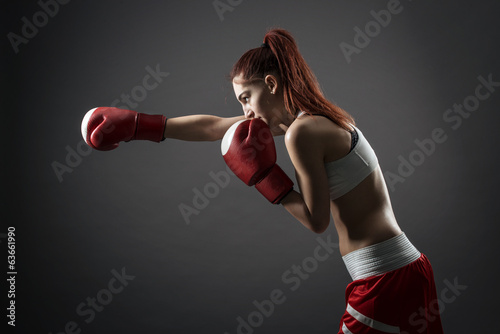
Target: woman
393,288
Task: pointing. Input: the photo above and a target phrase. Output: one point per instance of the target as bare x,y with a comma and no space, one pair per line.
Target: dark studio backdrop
159,238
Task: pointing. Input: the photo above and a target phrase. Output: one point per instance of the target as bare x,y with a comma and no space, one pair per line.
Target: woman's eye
246,99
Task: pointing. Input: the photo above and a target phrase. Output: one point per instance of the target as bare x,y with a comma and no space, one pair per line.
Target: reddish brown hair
301,89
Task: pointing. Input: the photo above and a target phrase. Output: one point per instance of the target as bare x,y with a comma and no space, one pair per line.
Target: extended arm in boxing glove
104,128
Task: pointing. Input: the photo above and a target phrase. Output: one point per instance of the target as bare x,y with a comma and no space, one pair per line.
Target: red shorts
398,301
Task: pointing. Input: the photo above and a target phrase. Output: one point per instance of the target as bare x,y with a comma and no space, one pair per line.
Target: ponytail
280,56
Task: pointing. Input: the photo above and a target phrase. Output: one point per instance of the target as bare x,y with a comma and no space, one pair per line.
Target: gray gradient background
121,208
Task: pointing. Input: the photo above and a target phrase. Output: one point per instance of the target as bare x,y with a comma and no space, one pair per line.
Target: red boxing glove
104,128
248,149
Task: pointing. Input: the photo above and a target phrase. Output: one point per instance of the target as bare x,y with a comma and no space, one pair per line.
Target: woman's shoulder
317,130
315,127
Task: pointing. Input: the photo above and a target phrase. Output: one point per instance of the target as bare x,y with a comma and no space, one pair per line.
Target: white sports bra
347,172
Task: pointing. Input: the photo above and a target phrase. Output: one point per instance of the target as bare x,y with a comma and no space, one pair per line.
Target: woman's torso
363,216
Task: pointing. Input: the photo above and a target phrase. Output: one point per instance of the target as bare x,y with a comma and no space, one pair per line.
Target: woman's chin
278,129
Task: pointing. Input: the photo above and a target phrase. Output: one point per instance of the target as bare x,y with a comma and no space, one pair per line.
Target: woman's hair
280,56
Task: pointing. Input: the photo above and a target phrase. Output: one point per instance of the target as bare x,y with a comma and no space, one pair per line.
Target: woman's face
263,98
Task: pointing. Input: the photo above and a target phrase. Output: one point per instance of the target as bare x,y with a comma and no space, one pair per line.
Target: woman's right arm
199,127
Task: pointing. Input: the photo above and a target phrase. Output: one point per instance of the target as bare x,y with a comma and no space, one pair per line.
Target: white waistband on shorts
381,258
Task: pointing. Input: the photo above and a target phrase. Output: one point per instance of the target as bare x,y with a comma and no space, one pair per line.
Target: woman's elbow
319,227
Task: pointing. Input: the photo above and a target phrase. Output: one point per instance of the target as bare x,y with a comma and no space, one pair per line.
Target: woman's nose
249,114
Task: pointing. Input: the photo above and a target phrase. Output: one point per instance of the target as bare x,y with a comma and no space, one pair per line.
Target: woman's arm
312,205
199,127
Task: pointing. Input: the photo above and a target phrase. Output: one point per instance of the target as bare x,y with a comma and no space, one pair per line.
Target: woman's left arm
312,205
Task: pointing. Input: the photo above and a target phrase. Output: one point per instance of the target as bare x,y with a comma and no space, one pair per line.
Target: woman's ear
271,82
